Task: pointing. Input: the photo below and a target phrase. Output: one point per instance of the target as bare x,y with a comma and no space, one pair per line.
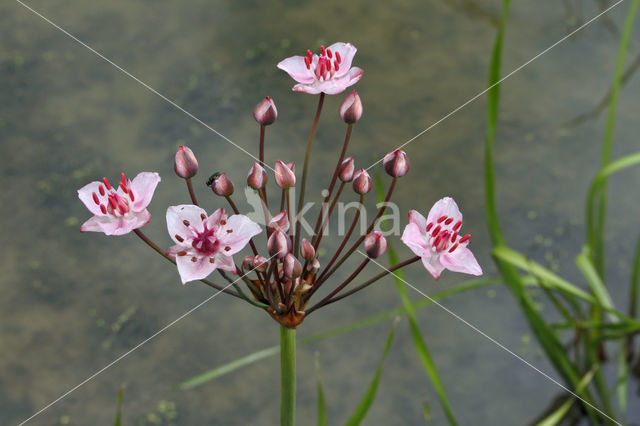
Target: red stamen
309,54
437,241
455,246
123,186
442,219
457,225
338,58
454,236
465,238
101,189
95,198
429,226
307,62
103,209
448,221
106,183
322,51
435,231
182,253
329,54
123,179
179,238
336,66
113,203
186,222
131,195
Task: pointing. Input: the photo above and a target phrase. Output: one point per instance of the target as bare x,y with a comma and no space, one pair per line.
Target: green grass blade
238,363
557,416
118,421
322,405
367,400
597,245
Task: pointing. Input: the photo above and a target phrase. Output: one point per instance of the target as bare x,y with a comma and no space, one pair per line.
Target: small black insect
212,178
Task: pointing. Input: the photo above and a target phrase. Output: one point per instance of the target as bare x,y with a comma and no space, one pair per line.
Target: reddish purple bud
351,108
291,166
375,244
307,250
277,244
186,165
292,267
247,263
265,112
220,184
314,266
346,169
280,221
362,182
285,178
257,177
396,163
260,263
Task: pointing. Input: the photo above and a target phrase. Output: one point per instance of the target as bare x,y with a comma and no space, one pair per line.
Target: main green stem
288,376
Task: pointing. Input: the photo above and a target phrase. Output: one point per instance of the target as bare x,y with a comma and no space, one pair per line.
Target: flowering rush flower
120,210
330,72
436,240
206,243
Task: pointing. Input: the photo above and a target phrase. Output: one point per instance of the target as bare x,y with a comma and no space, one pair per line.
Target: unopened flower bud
186,165
362,182
220,184
277,244
314,266
292,267
291,166
257,177
396,163
247,263
375,244
260,263
285,178
346,169
265,112
351,108
280,221
307,250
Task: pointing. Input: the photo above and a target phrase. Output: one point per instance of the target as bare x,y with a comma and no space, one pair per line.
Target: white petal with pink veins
461,260
236,233
433,265
191,270
419,220
111,225
414,239
86,196
224,262
297,69
143,187
216,217
176,216
444,207
347,51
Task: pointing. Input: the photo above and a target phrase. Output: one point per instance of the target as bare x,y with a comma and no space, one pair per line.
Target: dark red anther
329,54
435,231
186,222
338,58
101,189
103,209
437,241
448,221
322,51
455,246
307,62
112,203
309,54
442,219
336,66
123,178
457,225
429,226
465,238
131,195
106,183
454,236
95,198
123,186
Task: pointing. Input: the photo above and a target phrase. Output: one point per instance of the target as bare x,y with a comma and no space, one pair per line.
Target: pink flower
330,72
118,211
204,244
436,240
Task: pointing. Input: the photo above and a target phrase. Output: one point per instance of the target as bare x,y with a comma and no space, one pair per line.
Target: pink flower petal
143,187
306,88
111,225
339,84
419,220
213,221
297,69
433,265
347,51
461,260
242,229
444,207
86,196
415,240
225,263
176,216
192,271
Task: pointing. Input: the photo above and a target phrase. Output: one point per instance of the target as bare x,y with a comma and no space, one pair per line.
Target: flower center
324,65
110,202
205,242
443,235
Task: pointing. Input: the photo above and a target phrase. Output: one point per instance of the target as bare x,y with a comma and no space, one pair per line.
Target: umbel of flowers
283,275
